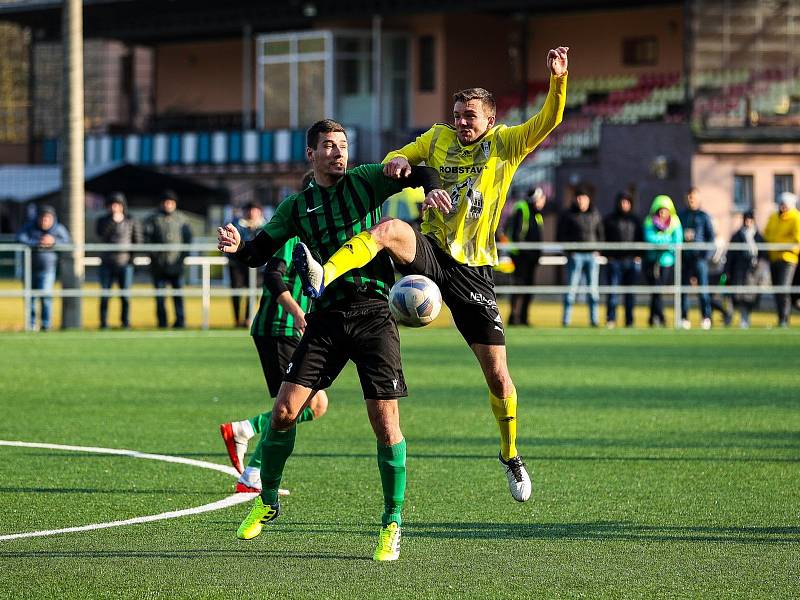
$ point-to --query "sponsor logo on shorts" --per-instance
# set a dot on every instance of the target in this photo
(481, 299)
(289, 368)
(394, 383)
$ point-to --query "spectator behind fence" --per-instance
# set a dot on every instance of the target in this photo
(581, 223)
(248, 226)
(526, 224)
(662, 226)
(697, 228)
(42, 234)
(743, 267)
(624, 266)
(117, 227)
(168, 226)
(783, 227)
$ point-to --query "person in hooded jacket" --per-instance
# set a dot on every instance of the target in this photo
(661, 226)
(624, 266)
(743, 267)
(117, 227)
(42, 234)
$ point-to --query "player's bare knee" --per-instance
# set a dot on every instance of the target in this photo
(282, 417)
(319, 404)
(500, 384)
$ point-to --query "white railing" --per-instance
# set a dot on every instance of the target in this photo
(207, 291)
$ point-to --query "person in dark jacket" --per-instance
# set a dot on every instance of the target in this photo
(526, 224)
(42, 234)
(116, 227)
(744, 267)
(697, 228)
(168, 226)
(581, 223)
(248, 226)
(624, 266)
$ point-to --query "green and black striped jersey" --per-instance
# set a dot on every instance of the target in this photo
(272, 319)
(325, 218)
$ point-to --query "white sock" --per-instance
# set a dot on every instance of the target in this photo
(245, 428)
(250, 475)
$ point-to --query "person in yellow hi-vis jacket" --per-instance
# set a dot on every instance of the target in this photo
(476, 159)
(783, 227)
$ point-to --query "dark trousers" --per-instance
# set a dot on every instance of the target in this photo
(239, 279)
(122, 275)
(657, 275)
(622, 271)
(176, 282)
(524, 274)
(697, 269)
(782, 274)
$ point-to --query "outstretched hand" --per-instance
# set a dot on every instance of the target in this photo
(557, 61)
(397, 167)
(228, 239)
(438, 199)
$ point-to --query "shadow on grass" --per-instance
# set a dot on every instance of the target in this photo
(605, 531)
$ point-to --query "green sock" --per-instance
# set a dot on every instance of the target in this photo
(255, 457)
(276, 448)
(392, 465)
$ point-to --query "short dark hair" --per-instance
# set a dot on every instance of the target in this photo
(324, 126)
(169, 195)
(252, 205)
(485, 96)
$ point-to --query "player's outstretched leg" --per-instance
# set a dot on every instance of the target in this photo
(235, 435)
(505, 411)
(260, 515)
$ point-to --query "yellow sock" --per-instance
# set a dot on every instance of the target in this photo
(358, 251)
(505, 411)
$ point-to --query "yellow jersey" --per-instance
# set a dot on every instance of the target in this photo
(477, 176)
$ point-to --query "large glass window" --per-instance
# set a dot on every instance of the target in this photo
(293, 88)
(742, 193)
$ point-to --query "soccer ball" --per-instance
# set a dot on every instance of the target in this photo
(415, 301)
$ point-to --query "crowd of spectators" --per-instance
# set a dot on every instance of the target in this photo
(663, 224)
(666, 226)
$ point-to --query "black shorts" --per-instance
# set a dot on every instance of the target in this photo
(363, 332)
(275, 353)
(467, 291)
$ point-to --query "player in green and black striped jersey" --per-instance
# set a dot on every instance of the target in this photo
(352, 321)
(276, 331)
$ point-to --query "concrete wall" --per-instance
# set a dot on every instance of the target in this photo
(199, 77)
(595, 40)
(625, 161)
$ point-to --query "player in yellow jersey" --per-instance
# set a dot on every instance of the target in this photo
(476, 159)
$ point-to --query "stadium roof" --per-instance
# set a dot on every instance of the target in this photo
(150, 20)
(28, 183)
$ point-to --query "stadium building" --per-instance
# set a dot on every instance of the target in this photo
(662, 95)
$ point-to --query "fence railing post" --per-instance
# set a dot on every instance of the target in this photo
(678, 275)
(26, 288)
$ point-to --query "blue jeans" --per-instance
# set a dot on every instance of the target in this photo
(160, 282)
(699, 270)
(622, 271)
(122, 275)
(42, 280)
(582, 266)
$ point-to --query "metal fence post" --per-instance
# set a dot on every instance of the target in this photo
(26, 288)
(252, 299)
(677, 285)
(206, 286)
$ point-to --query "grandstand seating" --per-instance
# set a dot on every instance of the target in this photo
(722, 98)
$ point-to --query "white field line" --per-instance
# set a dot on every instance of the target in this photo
(219, 504)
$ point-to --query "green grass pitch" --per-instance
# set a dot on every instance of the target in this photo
(665, 465)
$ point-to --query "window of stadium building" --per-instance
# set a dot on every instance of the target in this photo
(306, 76)
(783, 183)
(742, 193)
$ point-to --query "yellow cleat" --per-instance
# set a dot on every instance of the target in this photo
(259, 515)
(388, 543)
